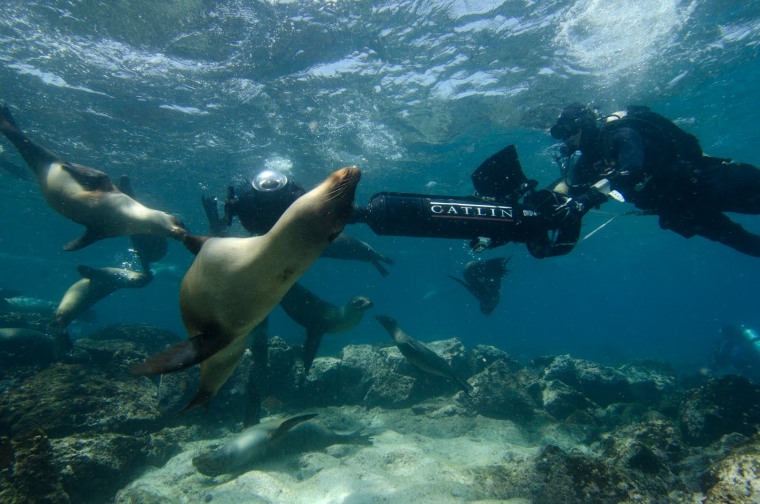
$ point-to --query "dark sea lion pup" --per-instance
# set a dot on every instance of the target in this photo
(353, 249)
(86, 195)
(320, 317)
(483, 280)
(419, 355)
(234, 283)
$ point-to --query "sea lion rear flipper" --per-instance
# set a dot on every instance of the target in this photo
(89, 178)
(37, 157)
(311, 347)
(87, 238)
(465, 284)
(181, 355)
(289, 423)
(201, 399)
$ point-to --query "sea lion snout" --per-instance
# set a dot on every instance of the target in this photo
(342, 184)
(362, 303)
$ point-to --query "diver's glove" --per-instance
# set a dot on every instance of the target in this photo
(216, 226)
(575, 208)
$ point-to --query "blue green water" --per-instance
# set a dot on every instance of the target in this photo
(188, 96)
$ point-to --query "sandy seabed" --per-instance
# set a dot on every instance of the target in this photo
(414, 458)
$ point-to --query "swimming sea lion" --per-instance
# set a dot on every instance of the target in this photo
(149, 248)
(86, 195)
(420, 355)
(96, 284)
(353, 249)
(235, 282)
(320, 317)
(269, 440)
(483, 280)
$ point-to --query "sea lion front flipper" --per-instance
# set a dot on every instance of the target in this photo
(181, 355)
(149, 248)
(193, 243)
(89, 178)
(87, 238)
(289, 423)
(311, 347)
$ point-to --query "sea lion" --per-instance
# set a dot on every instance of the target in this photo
(149, 248)
(269, 440)
(234, 283)
(419, 355)
(350, 248)
(96, 284)
(320, 317)
(19, 345)
(483, 280)
(86, 195)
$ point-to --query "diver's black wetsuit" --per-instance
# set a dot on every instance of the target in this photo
(688, 193)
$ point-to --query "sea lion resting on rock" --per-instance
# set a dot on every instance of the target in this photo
(269, 440)
(419, 355)
(20, 345)
(235, 282)
(320, 317)
(86, 195)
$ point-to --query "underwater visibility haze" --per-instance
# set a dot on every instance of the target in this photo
(187, 97)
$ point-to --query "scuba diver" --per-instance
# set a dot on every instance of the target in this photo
(505, 208)
(738, 351)
(259, 203)
(642, 157)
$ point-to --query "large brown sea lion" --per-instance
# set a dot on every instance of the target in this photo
(235, 282)
(86, 195)
(320, 317)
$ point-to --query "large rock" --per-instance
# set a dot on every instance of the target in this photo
(29, 471)
(736, 478)
(601, 384)
(96, 466)
(499, 393)
(722, 406)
